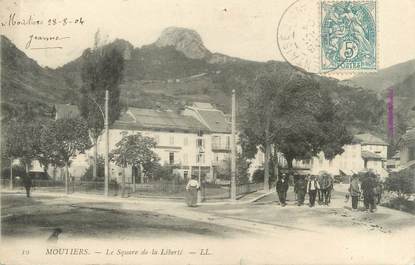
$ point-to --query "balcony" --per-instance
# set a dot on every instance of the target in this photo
(217, 147)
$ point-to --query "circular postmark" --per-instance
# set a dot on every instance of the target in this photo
(298, 37)
(319, 37)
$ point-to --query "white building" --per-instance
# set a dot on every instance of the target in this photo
(181, 140)
(407, 151)
(366, 152)
(220, 131)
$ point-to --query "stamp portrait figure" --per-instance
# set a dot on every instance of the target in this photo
(348, 35)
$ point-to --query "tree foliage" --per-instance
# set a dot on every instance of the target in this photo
(64, 138)
(291, 112)
(134, 150)
(102, 70)
(20, 139)
(403, 183)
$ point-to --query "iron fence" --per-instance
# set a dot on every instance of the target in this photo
(209, 191)
(246, 188)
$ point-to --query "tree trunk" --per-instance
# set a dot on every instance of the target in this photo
(54, 173)
(266, 167)
(267, 150)
(66, 178)
(290, 163)
(141, 174)
(94, 165)
(276, 169)
(123, 183)
(11, 173)
(27, 169)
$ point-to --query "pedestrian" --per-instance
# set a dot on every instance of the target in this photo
(368, 189)
(354, 191)
(192, 188)
(27, 183)
(320, 192)
(312, 187)
(301, 187)
(328, 189)
(379, 190)
(282, 187)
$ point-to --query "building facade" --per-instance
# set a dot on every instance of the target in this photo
(407, 151)
(182, 141)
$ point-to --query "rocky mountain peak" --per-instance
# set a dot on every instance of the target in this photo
(184, 40)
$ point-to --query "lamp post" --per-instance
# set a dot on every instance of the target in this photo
(106, 145)
(199, 192)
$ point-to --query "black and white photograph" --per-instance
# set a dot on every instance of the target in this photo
(207, 132)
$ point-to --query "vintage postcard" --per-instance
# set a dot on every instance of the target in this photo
(207, 132)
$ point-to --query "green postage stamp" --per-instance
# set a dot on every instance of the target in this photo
(348, 36)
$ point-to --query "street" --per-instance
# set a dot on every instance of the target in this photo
(334, 227)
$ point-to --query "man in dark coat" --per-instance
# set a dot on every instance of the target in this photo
(301, 188)
(368, 189)
(27, 183)
(282, 187)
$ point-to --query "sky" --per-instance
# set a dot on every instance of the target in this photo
(242, 28)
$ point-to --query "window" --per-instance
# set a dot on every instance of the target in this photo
(171, 139)
(216, 157)
(200, 158)
(185, 141)
(228, 141)
(200, 142)
(216, 141)
(171, 158)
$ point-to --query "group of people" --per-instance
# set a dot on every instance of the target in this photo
(367, 186)
(317, 187)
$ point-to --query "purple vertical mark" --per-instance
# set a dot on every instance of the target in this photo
(391, 127)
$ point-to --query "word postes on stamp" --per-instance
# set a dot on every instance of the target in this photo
(348, 35)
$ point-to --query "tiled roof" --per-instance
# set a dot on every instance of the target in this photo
(215, 120)
(370, 155)
(368, 139)
(66, 111)
(202, 105)
(137, 119)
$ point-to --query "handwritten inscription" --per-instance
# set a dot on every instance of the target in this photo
(14, 20)
(44, 41)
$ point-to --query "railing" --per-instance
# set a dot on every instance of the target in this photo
(248, 188)
(161, 189)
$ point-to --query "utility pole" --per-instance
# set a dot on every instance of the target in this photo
(106, 169)
(233, 148)
(11, 174)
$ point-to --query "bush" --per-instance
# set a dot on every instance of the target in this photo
(88, 175)
(163, 172)
(401, 204)
(18, 170)
(258, 176)
(402, 183)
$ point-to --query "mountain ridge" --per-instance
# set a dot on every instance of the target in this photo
(162, 75)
